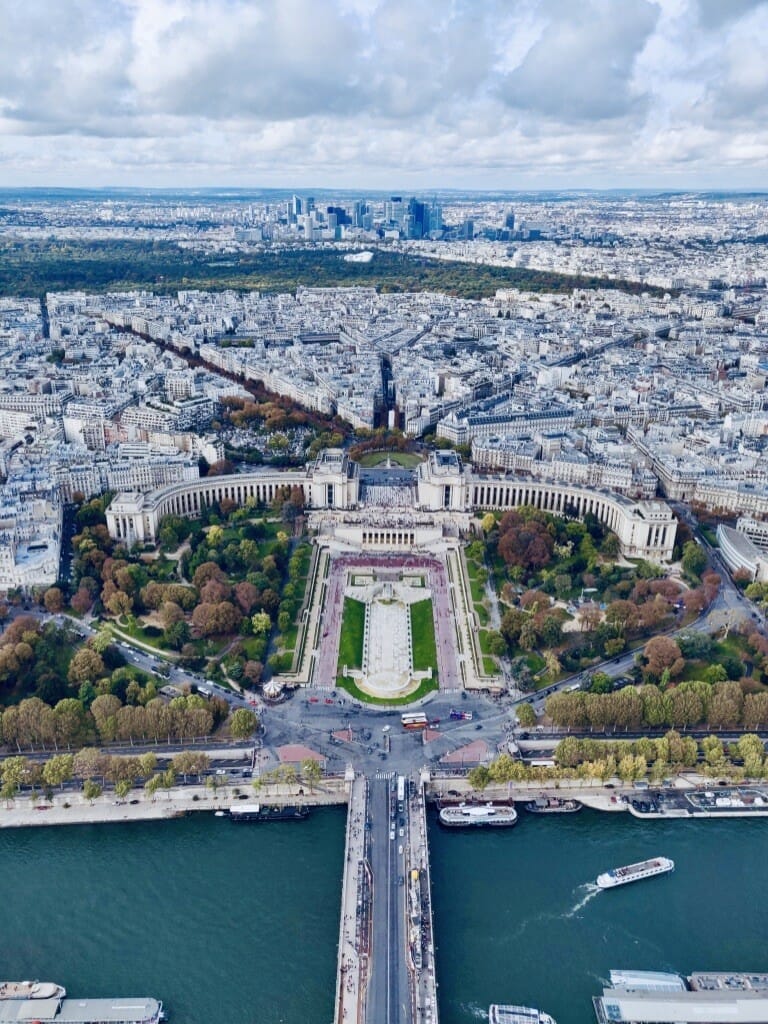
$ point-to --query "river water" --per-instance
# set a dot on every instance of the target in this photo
(238, 925)
(518, 919)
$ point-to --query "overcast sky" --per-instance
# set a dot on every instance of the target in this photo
(385, 93)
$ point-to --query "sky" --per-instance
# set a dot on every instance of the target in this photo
(384, 94)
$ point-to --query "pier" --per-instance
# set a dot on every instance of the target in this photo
(386, 962)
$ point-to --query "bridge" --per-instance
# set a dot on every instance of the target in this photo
(386, 962)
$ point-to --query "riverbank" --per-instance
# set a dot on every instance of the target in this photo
(74, 809)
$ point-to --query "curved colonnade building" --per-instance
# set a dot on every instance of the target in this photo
(646, 529)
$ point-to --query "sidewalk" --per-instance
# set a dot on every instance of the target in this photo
(173, 803)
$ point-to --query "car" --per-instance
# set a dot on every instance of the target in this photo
(328, 700)
(314, 700)
(221, 771)
(479, 725)
(400, 880)
(133, 801)
(401, 833)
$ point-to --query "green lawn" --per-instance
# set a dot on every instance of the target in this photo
(349, 685)
(351, 636)
(423, 636)
(405, 459)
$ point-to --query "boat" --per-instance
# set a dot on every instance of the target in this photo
(478, 816)
(553, 805)
(634, 872)
(264, 812)
(37, 1001)
(31, 990)
(500, 1013)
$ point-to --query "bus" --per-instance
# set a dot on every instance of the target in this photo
(414, 720)
(400, 790)
(460, 716)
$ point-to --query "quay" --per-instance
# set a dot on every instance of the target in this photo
(386, 959)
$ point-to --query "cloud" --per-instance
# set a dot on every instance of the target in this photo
(580, 68)
(490, 93)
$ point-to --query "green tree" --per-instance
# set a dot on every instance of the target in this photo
(261, 623)
(243, 723)
(58, 770)
(91, 790)
(526, 716)
(694, 560)
(147, 764)
(478, 777)
(123, 788)
(311, 772)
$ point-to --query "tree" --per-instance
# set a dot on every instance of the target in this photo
(243, 723)
(261, 623)
(568, 752)
(600, 682)
(86, 666)
(14, 773)
(488, 522)
(58, 770)
(660, 653)
(104, 710)
(53, 599)
(147, 764)
(478, 777)
(253, 672)
(91, 790)
(694, 560)
(526, 716)
(311, 772)
(655, 710)
(88, 763)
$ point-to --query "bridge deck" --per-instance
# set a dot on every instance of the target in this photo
(386, 971)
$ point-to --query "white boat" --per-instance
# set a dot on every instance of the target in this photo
(634, 872)
(31, 990)
(478, 816)
(499, 1013)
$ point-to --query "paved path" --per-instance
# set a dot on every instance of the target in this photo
(354, 930)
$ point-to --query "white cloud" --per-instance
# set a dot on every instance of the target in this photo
(484, 93)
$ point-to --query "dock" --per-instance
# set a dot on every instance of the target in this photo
(386, 959)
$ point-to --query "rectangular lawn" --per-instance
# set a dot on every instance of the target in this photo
(423, 636)
(351, 636)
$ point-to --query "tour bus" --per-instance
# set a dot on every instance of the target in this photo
(460, 716)
(414, 720)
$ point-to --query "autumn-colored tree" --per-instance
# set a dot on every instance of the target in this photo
(53, 599)
(86, 666)
(662, 654)
(208, 571)
(246, 597)
(81, 600)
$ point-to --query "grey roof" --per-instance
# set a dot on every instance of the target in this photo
(119, 1011)
(80, 1011)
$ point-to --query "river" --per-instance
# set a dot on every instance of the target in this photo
(238, 925)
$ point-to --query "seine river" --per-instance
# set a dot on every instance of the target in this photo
(238, 925)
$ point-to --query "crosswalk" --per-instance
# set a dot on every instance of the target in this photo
(385, 775)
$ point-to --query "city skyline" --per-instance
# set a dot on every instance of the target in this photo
(490, 95)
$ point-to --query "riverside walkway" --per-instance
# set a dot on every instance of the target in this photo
(386, 965)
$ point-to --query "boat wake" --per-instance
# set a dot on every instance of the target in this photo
(478, 1012)
(590, 890)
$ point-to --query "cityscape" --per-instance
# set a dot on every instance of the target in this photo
(384, 469)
